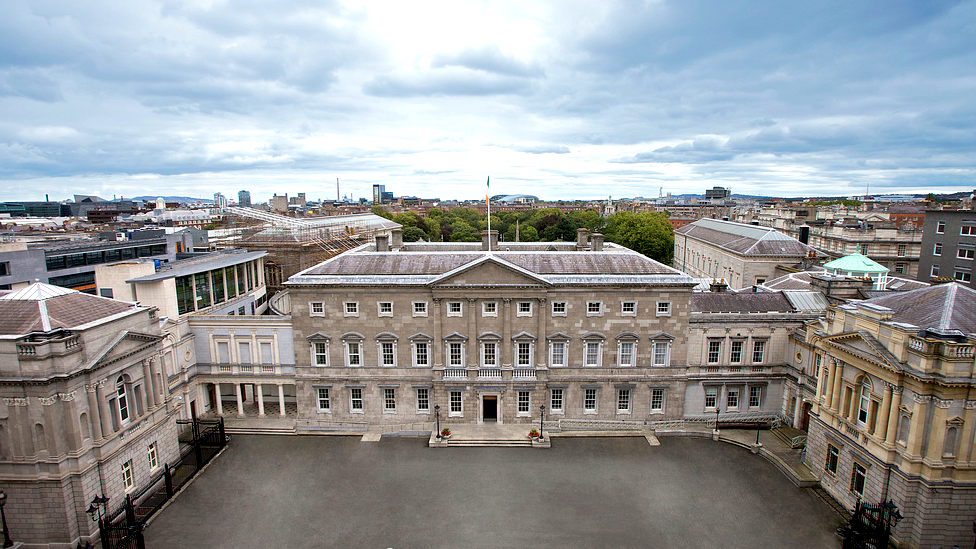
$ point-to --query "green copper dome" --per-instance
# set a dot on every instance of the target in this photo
(856, 263)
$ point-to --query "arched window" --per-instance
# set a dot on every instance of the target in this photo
(864, 404)
(123, 401)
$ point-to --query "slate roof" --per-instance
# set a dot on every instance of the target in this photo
(746, 239)
(728, 302)
(801, 281)
(943, 307)
(42, 307)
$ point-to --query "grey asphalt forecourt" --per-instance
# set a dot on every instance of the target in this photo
(329, 491)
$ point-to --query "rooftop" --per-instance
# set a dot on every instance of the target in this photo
(746, 239)
(856, 263)
(208, 262)
(942, 307)
(42, 307)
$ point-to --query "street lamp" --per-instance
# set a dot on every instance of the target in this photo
(542, 413)
(6, 533)
(437, 415)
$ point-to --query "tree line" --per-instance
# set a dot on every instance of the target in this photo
(649, 233)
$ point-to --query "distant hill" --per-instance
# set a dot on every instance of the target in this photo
(174, 199)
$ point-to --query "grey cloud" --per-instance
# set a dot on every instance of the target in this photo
(448, 81)
(490, 59)
(32, 84)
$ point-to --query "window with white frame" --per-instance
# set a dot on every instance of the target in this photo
(830, 464)
(558, 308)
(625, 353)
(755, 396)
(714, 351)
(937, 249)
(935, 270)
(662, 353)
(456, 403)
(384, 308)
(589, 401)
(902, 250)
(489, 353)
(900, 268)
(244, 352)
(940, 228)
(323, 400)
(389, 400)
(735, 352)
(628, 308)
(523, 403)
(423, 400)
(455, 353)
(965, 253)
(864, 403)
(489, 308)
(623, 401)
(864, 249)
(387, 353)
(128, 479)
(153, 455)
(350, 308)
(962, 276)
(594, 308)
(354, 353)
(455, 308)
(419, 308)
(817, 360)
(732, 398)
(223, 352)
(758, 351)
(320, 353)
(523, 308)
(657, 400)
(556, 401)
(356, 400)
(858, 475)
(592, 353)
(421, 353)
(711, 397)
(122, 400)
(523, 353)
(967, 230)
(663, 308)
(316, 308)
(557, 353)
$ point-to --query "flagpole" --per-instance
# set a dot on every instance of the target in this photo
(488, 209)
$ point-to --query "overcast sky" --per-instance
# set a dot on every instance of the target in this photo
(563, 99)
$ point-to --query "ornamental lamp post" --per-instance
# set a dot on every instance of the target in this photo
(6, 533)
(437, 416)
(95, 512)
(542, 413)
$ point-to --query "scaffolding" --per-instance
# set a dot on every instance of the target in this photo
(295, 244)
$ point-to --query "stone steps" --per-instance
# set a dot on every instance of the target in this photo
(244, 430)
(489, 443)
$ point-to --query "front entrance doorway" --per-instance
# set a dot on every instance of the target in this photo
(805, 416)
(489, 409)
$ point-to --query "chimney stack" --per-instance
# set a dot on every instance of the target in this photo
(397, 240)
(382, 243)
(489, 240)
(718, 286)
(596, 242)
(581, 237)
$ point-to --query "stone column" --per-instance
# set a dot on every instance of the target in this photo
(838, 386)
(893, 416)
(881, 429)
(148, 396)
(473, 315)
(240, 400)
(94, 414)
(105, 411)
(966, 431)
(540, 342)
(435, 347)
(917, 432)
(938, 429)
(220, 404)
(281, 399)
(828, 384)
(798, 408)
(260, 397)
(855, 404)
(506, 343)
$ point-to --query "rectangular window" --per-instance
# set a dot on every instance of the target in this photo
(353, 354)
(556, 400)
(153, 457)
(755, 397)
(317, 308)
(128, 480)
(592, 357)
(962, 276)
(900, 268)
(935, 270)
(940, 228)
(423, 400)
(661, 353)
(455, 354)
(184, 294)
(231, 282)
(201, 284)
(937, 249)
(589, 400)
(324, 402)
(223, 352)
(623, 400)
(663, 308)
(657, 400)
(241, 287)
(558, 308)
(732, 402)
(625, 355)
(266, 353)
(524, 308)
(711, 397)
(244, 352)
(387, 353)
(419, 308)
(524, 353)
(965, 253)
(967, 230)
(356, 399)
(735, 354)
(321, 354)
(488, 355)
(523, 402)
(456, 405)
(864, 249)
(858, 474)
(218, 285)
(902, 250)
(453, 308)
(817, 359)
(628, 308)
(714, 351)
(351, 308)
(594, 308)
(758, 352)
(558, 352)
(389, 400)
(420, 355)
(384, 308)
(489, 308)
(830, 466)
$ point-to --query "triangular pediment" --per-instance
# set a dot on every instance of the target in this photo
(861, 344)
(489, 271)
(122, 346)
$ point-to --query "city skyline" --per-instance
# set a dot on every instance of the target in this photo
(561, 101)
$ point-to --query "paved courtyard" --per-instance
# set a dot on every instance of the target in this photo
(318, 492)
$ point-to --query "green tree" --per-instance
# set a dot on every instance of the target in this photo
(413, 234)
(648, 233)
(381, 211)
